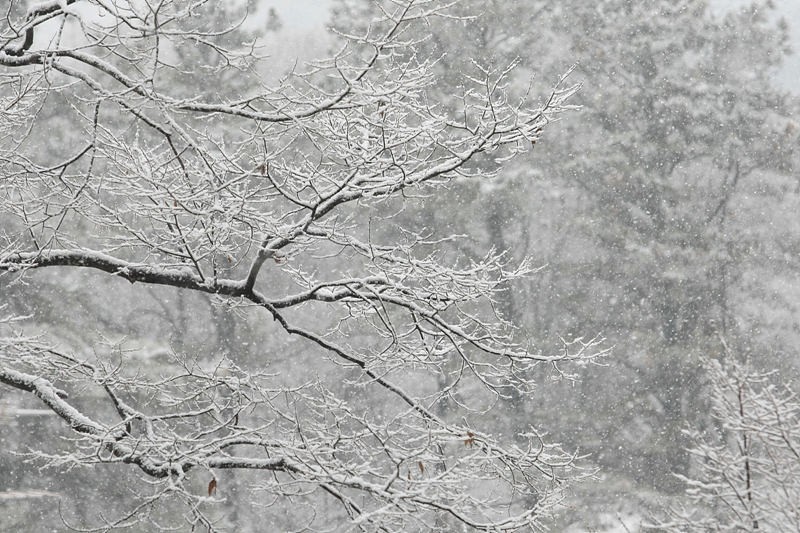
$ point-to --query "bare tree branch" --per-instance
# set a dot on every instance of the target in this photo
(198, 175)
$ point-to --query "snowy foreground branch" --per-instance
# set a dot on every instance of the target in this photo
(415, 467)
(748, 475)
(185, 169)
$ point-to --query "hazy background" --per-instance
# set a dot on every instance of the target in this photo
(579, 204)
(311, 16)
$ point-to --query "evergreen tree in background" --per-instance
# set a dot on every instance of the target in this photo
(669, 204)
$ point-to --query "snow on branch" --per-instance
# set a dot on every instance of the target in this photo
(283, 195)
(748, 465)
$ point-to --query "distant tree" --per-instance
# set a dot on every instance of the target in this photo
(273, 20)
(652, 215)
(685, 124)
(275, 199)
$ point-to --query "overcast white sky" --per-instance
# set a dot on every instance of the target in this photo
(789, 76)
(301, 14)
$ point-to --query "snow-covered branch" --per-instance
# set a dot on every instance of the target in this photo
(748, 475)
(183, 167)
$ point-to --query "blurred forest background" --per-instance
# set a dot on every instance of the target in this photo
(664, 212)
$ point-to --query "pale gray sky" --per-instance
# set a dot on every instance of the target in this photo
(301, 14)
(789, 76)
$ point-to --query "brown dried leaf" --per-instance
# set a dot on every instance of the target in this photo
(470, 441)
(212, 487)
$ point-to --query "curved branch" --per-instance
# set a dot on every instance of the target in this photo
(180, 277)
(42, 9)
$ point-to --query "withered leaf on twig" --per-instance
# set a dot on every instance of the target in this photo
(470, 439)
